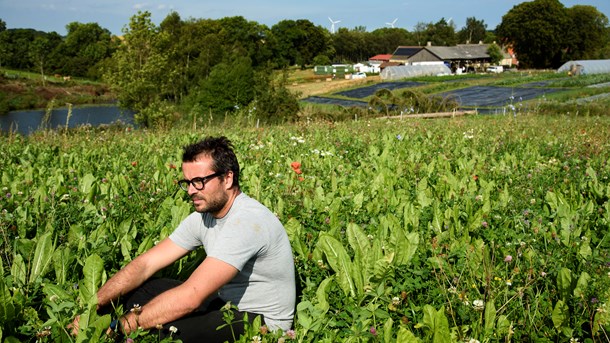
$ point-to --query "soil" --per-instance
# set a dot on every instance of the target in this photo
(324, 85)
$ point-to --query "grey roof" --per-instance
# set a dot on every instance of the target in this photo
(460, 52)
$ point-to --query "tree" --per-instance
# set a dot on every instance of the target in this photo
(248, 37)
(588, 33)
(386, 40)
(229, 87)
(273, 102)
(2, 25)
(536, 32)
(495, 53)
(4, 52)
(298, 42)
(84, 47)
(441, 33)
(141, 73)
(15, 48)
(419, 33)
(348, 45)
(473, 32)
(39, 50)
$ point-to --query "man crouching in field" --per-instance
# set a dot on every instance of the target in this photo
(248, 260)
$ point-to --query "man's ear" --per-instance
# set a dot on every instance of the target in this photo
(228, 181)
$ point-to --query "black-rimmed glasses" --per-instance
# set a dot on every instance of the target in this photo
(197, 182)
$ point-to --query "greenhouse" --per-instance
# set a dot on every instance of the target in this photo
(584, 67)
(406, 71)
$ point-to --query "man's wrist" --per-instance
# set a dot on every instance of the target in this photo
(129, 322)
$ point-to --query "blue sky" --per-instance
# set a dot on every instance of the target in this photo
(54, 15)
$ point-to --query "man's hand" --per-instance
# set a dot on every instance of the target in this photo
(74, 327)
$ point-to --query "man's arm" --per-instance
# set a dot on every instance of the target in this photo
(177, 302)
(139, 270)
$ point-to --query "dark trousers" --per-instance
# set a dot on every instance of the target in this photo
(199, 326)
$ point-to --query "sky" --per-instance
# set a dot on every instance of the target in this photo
(114, 15)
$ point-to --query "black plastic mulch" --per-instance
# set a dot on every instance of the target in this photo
(471, 97)
(338, 102)
(363, 92)
(488, 96)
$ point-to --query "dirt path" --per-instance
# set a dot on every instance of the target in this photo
(321, 86)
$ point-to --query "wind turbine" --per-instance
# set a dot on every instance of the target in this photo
(392, 23)
(332, 24)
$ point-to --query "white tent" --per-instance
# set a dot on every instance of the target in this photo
(406, 71)
(583, 67)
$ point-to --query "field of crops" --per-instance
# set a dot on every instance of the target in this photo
(471, 229)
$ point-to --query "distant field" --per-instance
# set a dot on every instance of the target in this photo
(486, 228)
(483, 92)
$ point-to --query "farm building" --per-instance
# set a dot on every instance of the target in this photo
(335, 69)
(407, 71)
(467, 56)
(584, 67)
(370, 68)
(378, 59)
(402, 54)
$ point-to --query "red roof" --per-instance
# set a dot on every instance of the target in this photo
(383, 57)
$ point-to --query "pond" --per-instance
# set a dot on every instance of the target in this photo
(27, 122)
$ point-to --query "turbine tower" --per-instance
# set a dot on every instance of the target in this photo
(392, 23)
(332, 24)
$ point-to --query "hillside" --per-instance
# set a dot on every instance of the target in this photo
(22, 91)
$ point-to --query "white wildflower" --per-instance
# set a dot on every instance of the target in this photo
(478, 305)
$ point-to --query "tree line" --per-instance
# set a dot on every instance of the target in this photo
(229, 64)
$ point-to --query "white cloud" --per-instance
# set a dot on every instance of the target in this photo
(140, 6)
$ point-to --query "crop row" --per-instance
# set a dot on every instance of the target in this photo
(483, 228)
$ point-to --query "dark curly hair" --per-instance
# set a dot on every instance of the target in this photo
(220, 149)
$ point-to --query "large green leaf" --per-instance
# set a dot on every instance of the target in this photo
(7, 308)
(18, 270)
(43, 256)
(339, 261)
(560, 315)
(93, 270)
(406, 244)
(322, 295)
(564, 283)
(357, 239)
(294, 231)
(62, 262)
(490, 318)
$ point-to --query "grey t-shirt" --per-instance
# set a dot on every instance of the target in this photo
(251, 239)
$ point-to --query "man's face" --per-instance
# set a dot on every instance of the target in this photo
(214, 196)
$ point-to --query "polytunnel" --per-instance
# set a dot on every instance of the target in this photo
(406, 71)
(584, 67)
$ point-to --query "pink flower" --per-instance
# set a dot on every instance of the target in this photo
(508, 258)
(484, 224)
(373, 331)
(291, 334)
